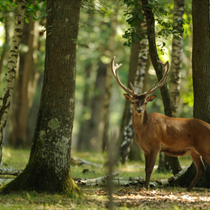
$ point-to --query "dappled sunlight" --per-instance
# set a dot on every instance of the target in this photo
(165, 196)
(158, 199)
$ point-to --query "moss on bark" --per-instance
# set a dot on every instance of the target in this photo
(31, 180)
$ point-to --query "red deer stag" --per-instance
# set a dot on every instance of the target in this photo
(156, 133)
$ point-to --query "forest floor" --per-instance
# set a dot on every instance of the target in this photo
(96, 197)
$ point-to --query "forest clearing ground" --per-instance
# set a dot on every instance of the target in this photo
(166, 198)
(96, 197)
(131, 197)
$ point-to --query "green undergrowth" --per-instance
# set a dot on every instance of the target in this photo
(19, 158)
(93, 197)
(33, 200)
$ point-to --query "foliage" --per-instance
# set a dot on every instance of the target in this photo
(133, 15)
(163, 15)
(31, 9)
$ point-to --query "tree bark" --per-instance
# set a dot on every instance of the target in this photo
(174, 162)
(6, 44)
(201, 77)
(176, 64)
(175, 76)
(139, 83)
(11, 70)
(24, 87)
(48, 169)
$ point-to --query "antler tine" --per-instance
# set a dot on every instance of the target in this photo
(148, 92)
(114, 72)
(133, 91)
(162, 81)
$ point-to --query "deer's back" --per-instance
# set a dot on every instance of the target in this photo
(173, 135)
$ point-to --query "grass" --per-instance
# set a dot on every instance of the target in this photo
(131, 197)
(19, 158)
(130, 169)
(15, 158)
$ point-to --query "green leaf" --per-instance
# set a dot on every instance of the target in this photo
(34, 17)
(2, 19)
(27, 20)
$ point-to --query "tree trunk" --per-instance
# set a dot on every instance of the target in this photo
(175, 76)
(92, 140)
(86, 104)
(201, 78)
(125, 142)
(24, 87)
(176, 64)
(139, 83)
(31, 121)
(6, 44)
(174, 162)
(48, 169)
(11, 70)
(108, 84)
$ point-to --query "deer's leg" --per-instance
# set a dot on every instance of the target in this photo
(150, 159)
(197, 159)
(206, 158)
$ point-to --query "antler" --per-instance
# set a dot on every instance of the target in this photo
(114, 71)
(132, 92)
(162, 81)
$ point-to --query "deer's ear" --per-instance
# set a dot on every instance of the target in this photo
(128, 97)
(151, 98)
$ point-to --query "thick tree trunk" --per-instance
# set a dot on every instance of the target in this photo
(201, 78)
(11, 70)
(49, 164)
(174, 162)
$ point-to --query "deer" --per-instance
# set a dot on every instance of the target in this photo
(155, 132)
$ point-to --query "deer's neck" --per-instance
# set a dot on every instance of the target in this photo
(140, 120)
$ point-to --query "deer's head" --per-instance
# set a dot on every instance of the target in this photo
(140, 100)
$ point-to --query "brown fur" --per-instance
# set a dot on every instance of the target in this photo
(156, 133)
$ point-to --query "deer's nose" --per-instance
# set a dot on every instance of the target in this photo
(139, 110)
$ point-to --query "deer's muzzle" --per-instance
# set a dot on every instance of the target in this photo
(139, 110)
